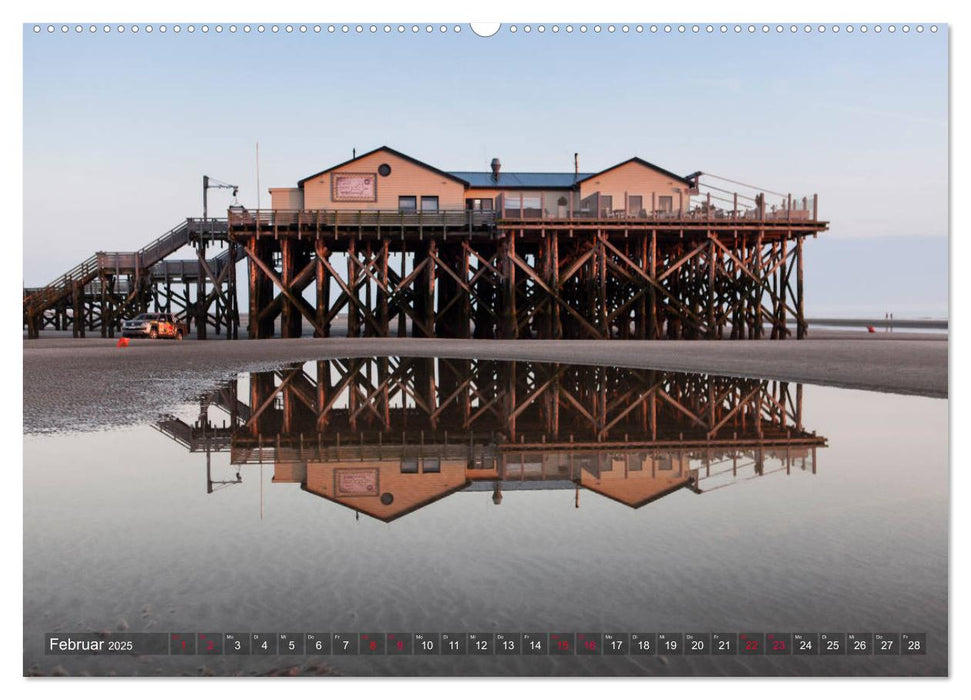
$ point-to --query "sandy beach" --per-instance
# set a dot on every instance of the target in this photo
(88, 384)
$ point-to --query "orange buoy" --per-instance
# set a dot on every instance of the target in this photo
(123, 342)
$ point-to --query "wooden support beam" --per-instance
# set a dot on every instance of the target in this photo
(299, 302)
(322, 279)
(801, 326)
(712, 266)
(509, 328)
(384, 319)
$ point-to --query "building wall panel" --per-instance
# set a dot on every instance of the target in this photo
(406, 179)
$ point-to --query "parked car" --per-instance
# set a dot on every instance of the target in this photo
(154, 325)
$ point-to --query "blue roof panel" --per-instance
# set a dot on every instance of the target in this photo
(531, 180)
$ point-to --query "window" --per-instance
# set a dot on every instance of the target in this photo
(384, 170)
(431, 465)
(409, 465)
(635, 203)
(429, 203)
(479, 204)
(665, 203)
(518, 201)
(606, 204)
(409, 203)
(528, 201)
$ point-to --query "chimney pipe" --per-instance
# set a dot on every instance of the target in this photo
(576, 166)
(495, 169)
(353, 153)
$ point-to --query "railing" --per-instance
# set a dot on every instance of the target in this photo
(694, 210)
(653, 208)
(365, 218)
(164, 245)
(166, 269)
(123, 262)
(42, 298)
(760, 207)
(95, 286)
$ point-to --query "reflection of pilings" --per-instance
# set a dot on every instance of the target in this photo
(532, 404)
(426, 428)
(471, 410)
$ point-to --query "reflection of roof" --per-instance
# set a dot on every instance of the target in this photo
(410, 509)
(635, 501)
(525, 180)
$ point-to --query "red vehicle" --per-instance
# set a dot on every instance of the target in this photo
(153, 325)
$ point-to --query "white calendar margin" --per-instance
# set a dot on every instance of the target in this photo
(709, 11)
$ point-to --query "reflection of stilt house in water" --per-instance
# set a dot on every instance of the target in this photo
(388, 436)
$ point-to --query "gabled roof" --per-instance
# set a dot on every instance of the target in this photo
(393, 152)
(643, 162)
(507, 180)
(552, 181)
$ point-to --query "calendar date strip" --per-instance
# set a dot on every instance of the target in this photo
(486, 644)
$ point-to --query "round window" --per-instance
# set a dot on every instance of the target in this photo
(387, 499)
(384, 170)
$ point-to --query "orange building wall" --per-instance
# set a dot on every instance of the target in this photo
(406, 178)
(409, 490)
(636, 179)
(635, 487)
(286, 198)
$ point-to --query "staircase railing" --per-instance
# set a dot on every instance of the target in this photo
(157, 250)
(81, 272)
(164, 245)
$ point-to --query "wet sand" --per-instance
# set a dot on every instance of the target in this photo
(88, 384)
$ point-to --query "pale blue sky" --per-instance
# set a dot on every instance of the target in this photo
(119, 129)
